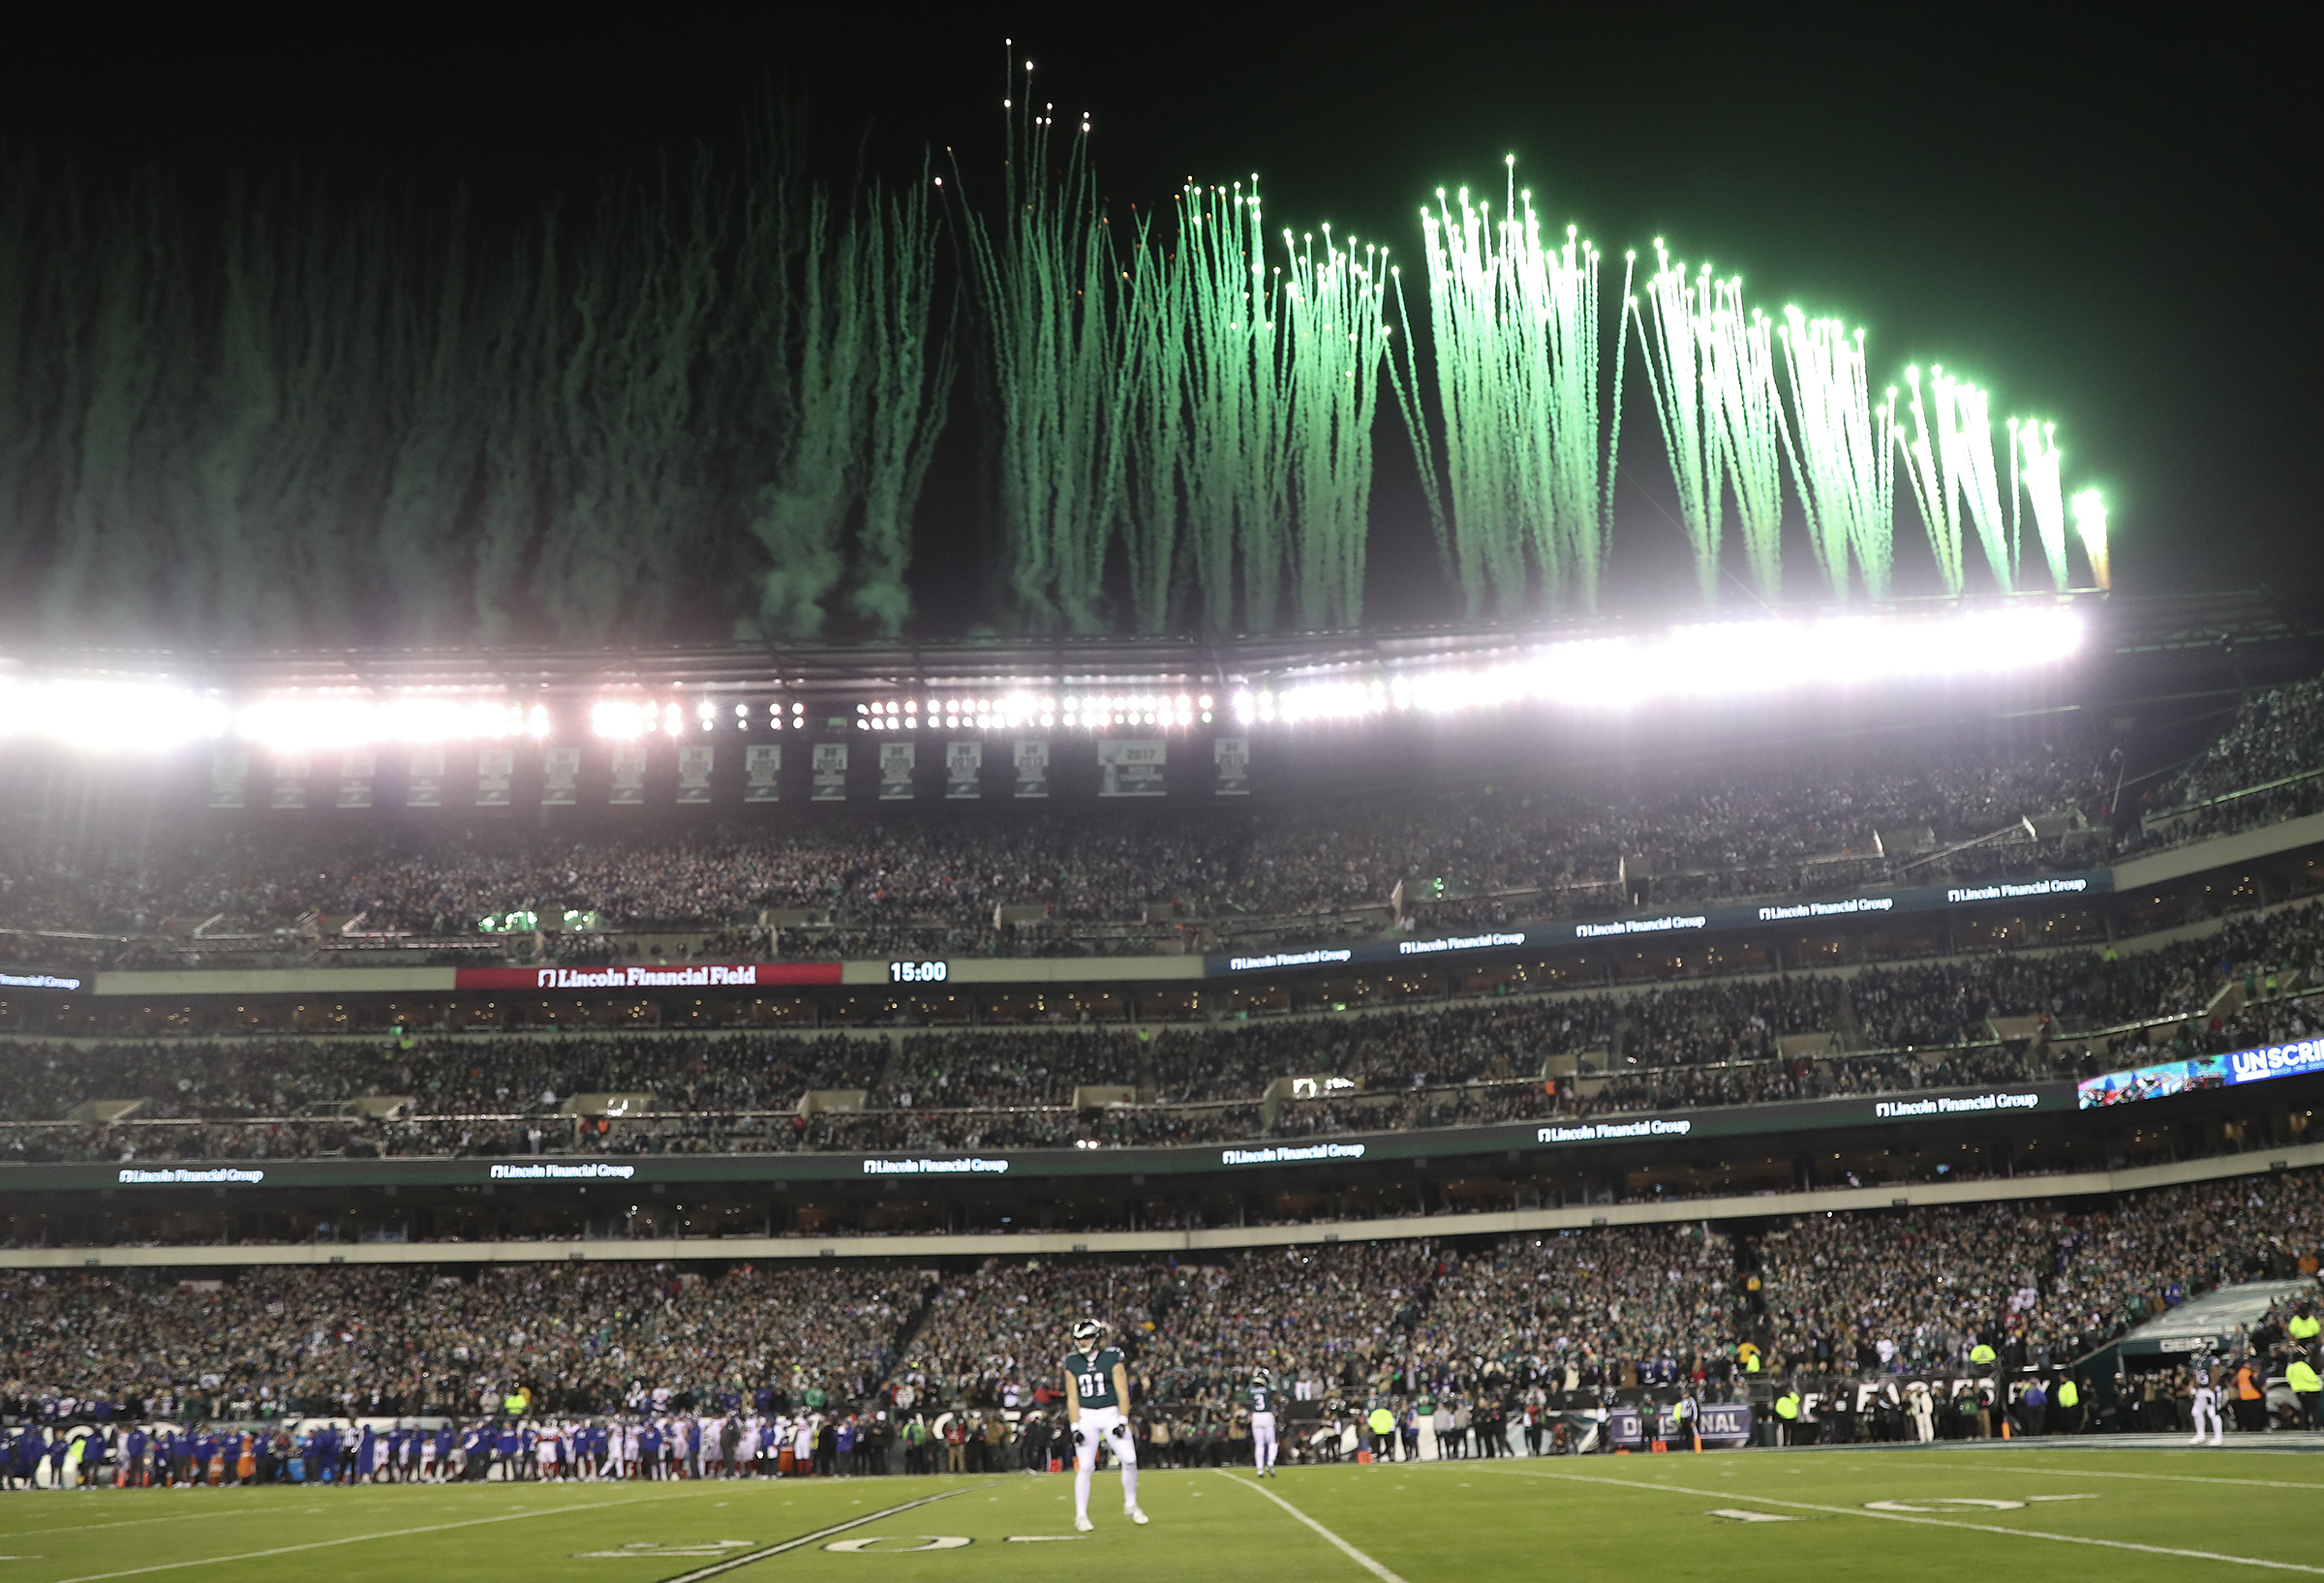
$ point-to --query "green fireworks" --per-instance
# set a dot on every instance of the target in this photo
(1842, 450)
(1045, 279)
(710, 400)
(1521, 383)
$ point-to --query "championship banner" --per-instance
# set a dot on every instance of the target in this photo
(1130, 766)
(1233, 758)
(896, 762)
(964, 764)
(648, 976)
(290, 781)
(358, 767)
(496, 772)
(423, 784)
(694, 761)
(762, 772)
(629, 773)
(559, 777)
(229, 772)
(1032, 768)
(830, 767)
(1726, 1426)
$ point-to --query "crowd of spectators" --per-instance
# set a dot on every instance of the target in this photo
(1740, 823)
(1571, 1054)
(2041, 1283)
(1921, 1292)
(398, 1339)
(2276, 736)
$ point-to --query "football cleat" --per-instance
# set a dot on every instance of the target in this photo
(1082, 1525)
(1137, 1516)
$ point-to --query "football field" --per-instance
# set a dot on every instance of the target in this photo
(2049, 1514)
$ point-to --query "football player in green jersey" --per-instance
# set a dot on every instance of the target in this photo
(1097, 1393)
(1262, 1421)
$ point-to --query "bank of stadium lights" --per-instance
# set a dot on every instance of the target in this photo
(307, 723)
(1716, 660)
(1024, 710)
(151, 717)
(110, 714)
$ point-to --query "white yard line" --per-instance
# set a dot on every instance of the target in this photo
(12, 1534)
(1341, 1546)
(2168, 1478)
(750, 1557)
(354, 1539)
(1932, 1522)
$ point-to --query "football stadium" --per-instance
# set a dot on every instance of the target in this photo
(789, 874)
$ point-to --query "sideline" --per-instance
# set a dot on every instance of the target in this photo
(358, 1538)
(748, 1556)
(1342, 1545)
(1935, 1522)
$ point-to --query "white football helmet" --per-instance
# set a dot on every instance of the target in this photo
(1087, 1331)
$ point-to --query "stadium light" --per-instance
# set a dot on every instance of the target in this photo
(130, 715)
(294, 723)
(1719, 659)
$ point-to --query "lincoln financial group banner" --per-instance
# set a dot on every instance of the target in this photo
(1687, 923)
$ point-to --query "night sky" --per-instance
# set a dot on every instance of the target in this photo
(2106, 221)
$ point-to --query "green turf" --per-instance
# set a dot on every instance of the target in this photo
(1598, 1517)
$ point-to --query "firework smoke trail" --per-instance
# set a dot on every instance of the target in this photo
(1751, 430)
(801, 511)
(1519, 362)
(1965, 448)
(1678, 355)
(905, 398)
(1155, 317)
(2089, 525)
(1045, 279)
(1845, 460)
(1932, 490)
(2035, 448)
(1338, 343)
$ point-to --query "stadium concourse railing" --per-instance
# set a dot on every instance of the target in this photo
(1664, 1211)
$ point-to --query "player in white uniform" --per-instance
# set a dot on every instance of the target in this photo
(1097, 1393)
(1262, 1421)
(2207, 1407)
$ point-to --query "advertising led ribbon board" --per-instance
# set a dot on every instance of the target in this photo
(2259, 1064)
(1255, 1158)
(1686, 923)
(649, 976)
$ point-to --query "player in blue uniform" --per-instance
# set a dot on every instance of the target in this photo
(1262, 1422)
(1097, 1393)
